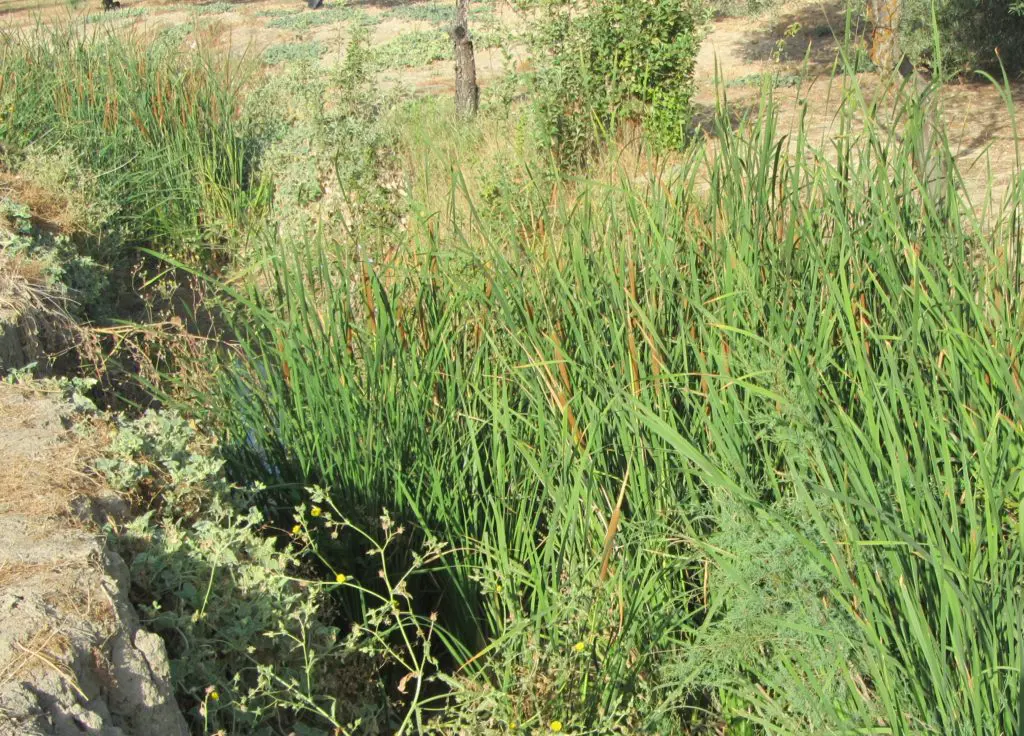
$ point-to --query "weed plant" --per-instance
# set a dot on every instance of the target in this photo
(292, 52)
(323, 17)
(420, 48)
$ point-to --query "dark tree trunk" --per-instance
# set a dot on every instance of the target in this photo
(467, 94)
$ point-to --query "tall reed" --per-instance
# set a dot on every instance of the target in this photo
(159, 126)
(751, 436)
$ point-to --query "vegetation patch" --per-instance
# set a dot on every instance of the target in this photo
(323, 17)
(420, 48)
(293, 51)
(555, 420)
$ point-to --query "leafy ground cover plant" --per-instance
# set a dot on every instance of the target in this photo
(254, 641)
(293, 51)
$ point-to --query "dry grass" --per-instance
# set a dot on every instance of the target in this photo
(53, 210)
(45, 467)
(11, 572)
(46, 648)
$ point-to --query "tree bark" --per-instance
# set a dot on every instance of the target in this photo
(467, 94)
(928, 158)
(885, 39)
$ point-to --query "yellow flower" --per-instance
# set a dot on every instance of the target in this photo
(341, 577)
(296, 529)
(555, 726)
(579, 646)
(498, 588)
(214, 695)
(315, 511)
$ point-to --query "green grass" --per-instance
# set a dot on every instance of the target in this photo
(748, 457)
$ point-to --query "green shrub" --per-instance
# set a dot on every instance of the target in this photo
(972, 34)
(326, 145)
(600, 63)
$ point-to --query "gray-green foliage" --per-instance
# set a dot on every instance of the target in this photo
(254, 647)
(162, 450)
(438, 13)
(420, 48)
(325, 144)
(743, 7)
(324, 16)
(215, 8)
(971, 34)
(291, 52)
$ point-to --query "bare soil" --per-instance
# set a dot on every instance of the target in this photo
(73, 658)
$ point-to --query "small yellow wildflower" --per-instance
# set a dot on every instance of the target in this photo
(498, 588)
(341, 577)
(579, 646)
(296, 529)
(555, 726)
(214, 695)
(315, 511)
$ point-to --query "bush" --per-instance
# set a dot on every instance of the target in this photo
(598, 63)
(972, 34)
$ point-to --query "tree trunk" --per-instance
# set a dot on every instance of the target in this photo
(885, 38)
(467, 94)
(929, 159)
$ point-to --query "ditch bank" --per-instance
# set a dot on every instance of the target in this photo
(73, 657)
